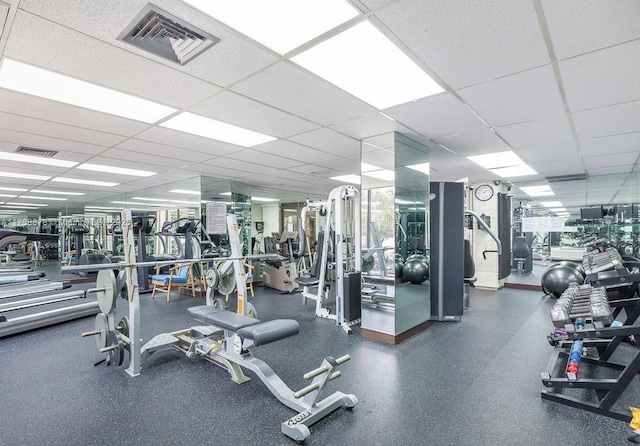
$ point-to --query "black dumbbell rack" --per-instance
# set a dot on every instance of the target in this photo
(603, 341)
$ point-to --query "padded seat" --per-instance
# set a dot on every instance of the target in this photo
(269, 331)
(306, 281)
(227, 320)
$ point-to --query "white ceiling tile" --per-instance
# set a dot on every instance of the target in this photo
(603, 77)
(611, 120)
(315, 171)
(330, 141)
(547, 130)
(247, 168)
(597, 170)
(264, 158)
(45, 44)
(626, 142)
(46, 110)
(437, 116)
(525, 96)
(244, 112)
(341, 164)
(288, 88)
(233, 57)
(578, 26)
(294, 151)
(368, 125)
(188, 141)
(4, 10)
(554, 168)
(45, 128)
(161, 153)
(474, 143)
(550, 152)
(469, 42)
(626, 160)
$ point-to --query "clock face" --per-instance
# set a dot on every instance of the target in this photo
(484, 192)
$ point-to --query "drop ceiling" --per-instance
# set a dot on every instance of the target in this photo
(556, 82)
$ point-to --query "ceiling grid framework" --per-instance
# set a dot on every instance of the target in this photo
(555, 82)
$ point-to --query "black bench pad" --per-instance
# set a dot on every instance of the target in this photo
(227, 320)
(269, 331)
(306, 281)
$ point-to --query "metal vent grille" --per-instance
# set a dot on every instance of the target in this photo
(36, 152)
(164, 35)
(563, 178)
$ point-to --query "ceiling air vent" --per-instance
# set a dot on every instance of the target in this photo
(563, 178)
(36, 152)
(164, 35)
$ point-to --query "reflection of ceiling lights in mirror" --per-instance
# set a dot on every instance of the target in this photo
(420, 167)
(401, 201)
(87, 182)
(14, 189)
(364, 62)
(24, 176)
(55, 192)
(16, 157)
(8, 195)
(514, 171)
(184, 191)
(33, 197)
(137, 203)
(537, 191)
(25, 78)
(16, 206)
(213, 129)
(116, 170)
(551, 204)
(226, 194)
(384, 174)
(497, 159)
(28, 204)
(282, 25)
(264, 199)
(353, 179)
(366, 167)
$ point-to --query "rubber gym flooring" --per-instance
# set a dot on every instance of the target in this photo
(475, 382)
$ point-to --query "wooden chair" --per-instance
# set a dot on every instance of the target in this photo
(250, 277)
(179, 275)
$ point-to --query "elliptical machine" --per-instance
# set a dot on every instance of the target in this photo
(281, 274)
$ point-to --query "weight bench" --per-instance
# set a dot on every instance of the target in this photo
(231, 352)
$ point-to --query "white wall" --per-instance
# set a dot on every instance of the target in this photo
(271, 218)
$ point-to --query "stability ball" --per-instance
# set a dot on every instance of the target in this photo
(576, 265)
(399, 265)
(415, 271)
(418, 257)
(557, 278)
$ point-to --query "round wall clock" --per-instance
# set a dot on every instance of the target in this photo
(484, 192)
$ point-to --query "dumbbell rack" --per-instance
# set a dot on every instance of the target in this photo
(602, 342)
(608, 269)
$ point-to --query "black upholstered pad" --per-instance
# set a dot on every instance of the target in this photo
(270, 331)
(224, 319)
(306, 281)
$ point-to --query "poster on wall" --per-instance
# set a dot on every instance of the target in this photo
(216, 218)
(544, 224)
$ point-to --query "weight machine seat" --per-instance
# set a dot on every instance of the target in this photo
(227, 320)
(269, 331)
(470, 280)
(307, 281)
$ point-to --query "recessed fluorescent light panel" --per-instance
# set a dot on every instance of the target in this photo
(551, 204)
(365, 167)
(514, 171)
(421, 167)
(537, 191)
(212, 129)
(14, 189)
(184, 191)
(87, 182)
(227, 194)
(117, 170)
(24, 176)
(264, 199)
(55, 192)
(384, 174)
(33, 197)
(281, 25)
(28, 204)
(8, 195)
(29, 79)
(497, 160)
(363, 62)
(8, 156)
(353, 179)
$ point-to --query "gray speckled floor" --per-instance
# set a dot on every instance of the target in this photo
(475, 382)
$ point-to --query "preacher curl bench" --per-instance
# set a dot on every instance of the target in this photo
(231, 352)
